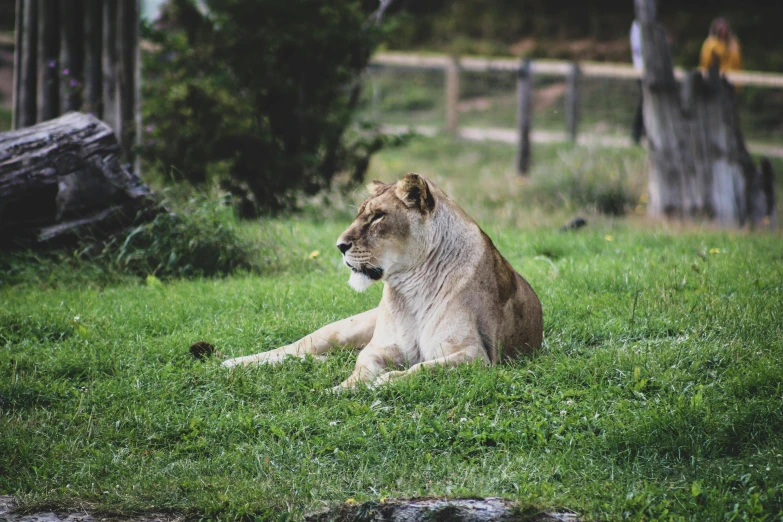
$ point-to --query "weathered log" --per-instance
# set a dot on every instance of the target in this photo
(699, 165)
(62, 179)
(491, 509)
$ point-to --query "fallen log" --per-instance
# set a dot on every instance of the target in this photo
(62, 179)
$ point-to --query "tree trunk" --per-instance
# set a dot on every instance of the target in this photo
(48, 52)
(26, 68)
(93, 74)
(127, 50)
(110, 64)
(699, 165)
(62, 179)
(18, 43)
(71, 55)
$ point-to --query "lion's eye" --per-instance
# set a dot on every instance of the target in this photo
(377, 217)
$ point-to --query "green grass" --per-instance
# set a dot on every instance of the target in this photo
(658, 393)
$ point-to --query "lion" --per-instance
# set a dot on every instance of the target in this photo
(449, 296)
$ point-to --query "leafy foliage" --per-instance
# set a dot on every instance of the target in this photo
(202, 240)
(260, 95)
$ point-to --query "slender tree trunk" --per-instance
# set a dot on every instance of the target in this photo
(28, 76)
(18, 44)
(127, 38)
(48, 53)
(93, 40)
(72, 54)
(109, 58)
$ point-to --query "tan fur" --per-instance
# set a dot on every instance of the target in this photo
(449, 296)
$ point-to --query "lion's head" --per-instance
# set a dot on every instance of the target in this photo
(389, 232)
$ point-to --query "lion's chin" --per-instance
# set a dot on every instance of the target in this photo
(359, 281)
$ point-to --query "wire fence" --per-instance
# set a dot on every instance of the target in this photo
(410, 90)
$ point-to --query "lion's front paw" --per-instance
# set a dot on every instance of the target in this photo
(386, 378)
(230, 363)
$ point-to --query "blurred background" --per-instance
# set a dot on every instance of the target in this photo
(274, 100)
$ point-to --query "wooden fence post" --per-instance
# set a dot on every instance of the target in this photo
(524, 109)
(572, 101)
(452, 95)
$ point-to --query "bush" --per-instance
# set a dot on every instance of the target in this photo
(201, 240)
(260, 95)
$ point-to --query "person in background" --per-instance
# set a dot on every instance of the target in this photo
(638, 63)
(722, 45)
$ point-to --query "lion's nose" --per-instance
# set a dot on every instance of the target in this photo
(344, 247)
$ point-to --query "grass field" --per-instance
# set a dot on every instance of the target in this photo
(658, 394)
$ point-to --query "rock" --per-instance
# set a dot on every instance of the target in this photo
(437, 509)
(574, 224)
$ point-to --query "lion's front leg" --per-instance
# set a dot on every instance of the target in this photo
(453, 355)
(353, 332)
(372, 362)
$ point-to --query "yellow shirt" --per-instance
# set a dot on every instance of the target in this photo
(728, 54)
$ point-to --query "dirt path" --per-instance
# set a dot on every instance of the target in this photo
(585, 139)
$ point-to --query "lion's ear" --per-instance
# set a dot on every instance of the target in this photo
(375, 186)
(415, 193)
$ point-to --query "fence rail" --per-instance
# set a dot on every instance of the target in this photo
(556, 67)
(571, 72)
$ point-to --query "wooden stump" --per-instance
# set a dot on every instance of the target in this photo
(62, 179)
(699, 166)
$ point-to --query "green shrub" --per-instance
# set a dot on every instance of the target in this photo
(201, 239)
(259, 95)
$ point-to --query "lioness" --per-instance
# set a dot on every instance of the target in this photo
(449, 298)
